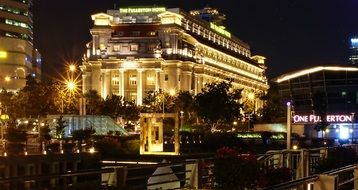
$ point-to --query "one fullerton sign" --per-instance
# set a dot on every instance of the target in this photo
(301, 119)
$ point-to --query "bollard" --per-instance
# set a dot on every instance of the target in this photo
(121, 177)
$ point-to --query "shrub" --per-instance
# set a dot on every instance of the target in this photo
(242, 171)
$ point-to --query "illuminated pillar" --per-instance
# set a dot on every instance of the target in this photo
(157, 80)
(122, 83)
(195, 84)
(289, 128)
(176, 136)
(179, 80)
(139, 86)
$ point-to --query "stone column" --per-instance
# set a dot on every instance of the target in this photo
(139, 86)
(157, 75)
(121, 88)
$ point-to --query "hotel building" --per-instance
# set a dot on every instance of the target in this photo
(137, 50)
(18, 58)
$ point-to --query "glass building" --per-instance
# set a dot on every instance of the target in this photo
(18, 57)
(353, 57)
(137, 50)
(336, 85)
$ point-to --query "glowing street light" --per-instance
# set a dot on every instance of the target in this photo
(71, 85)
(7, 79)
(72, 68)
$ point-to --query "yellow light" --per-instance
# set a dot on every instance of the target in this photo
(235, 122)
(7, 78)
(295, 147)
(142, 10)
(4, 117)
(172, 92)
(71, 85)
(313, 70)
(220, 29)
(72, 68)
(251, 96)
(3, 54)
(327, 130)
(91, 150)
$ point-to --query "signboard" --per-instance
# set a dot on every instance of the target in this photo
(301, 119)
(142, 10)
(220, 29)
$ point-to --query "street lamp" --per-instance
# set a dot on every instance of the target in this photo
(71, 88)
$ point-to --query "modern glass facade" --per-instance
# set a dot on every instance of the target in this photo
(353, 57)
(18, 57)
(336, 84)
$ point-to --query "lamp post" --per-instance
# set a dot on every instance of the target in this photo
(289, 120)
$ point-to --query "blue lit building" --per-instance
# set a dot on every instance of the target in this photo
(353, 56)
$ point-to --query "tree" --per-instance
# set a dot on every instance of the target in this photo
(112, 105)
(184, 102)
(319, 107)
(218, 104)
(60, 128)
(155, 101)
(94, 102)
(272, 110)
(44, 133)
(83, 134)
(129, 111)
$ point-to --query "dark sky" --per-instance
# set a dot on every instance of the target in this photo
(292, 34)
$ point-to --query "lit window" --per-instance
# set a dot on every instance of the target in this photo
(133, 79)
(115, 80)
(150, 80)
(134, 47)
(132, 96)
(116, 47)
(152, 33)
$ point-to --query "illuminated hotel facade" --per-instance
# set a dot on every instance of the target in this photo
(338, 86)
(138, 50)
(18, 58)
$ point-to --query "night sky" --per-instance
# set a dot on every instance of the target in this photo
(291, 34)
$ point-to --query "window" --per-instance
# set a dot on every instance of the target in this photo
(115, 80)
(116, 48)
(166, 77)
(133, 79)
(134, 47)
(135, 33)
(150, 80)
(132, 96)
(152, 33)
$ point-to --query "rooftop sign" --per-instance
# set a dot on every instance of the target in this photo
(220, 29)
(142, 10)
(301, 119)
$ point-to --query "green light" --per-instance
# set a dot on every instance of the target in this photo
(142, 10)
(220, 29)
(3, 54)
